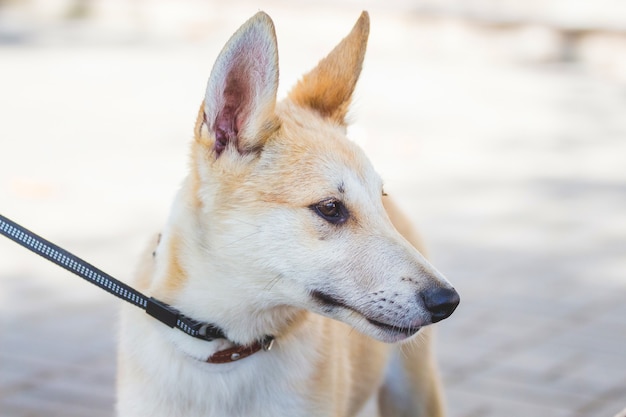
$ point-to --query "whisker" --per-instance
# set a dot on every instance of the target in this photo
(402, 351)
(243, 222)
(272, 282)
(412, 345)
(239, 240)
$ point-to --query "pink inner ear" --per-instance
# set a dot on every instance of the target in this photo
(242, 88)
(236, 107)
(226, 128)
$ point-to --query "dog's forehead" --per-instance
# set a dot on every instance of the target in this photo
(316, 156)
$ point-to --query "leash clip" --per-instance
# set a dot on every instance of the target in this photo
(209, 332)
(267, 343)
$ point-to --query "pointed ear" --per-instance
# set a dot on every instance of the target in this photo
(241, 92)
(328, 87)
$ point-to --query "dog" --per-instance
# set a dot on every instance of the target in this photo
(282, 237)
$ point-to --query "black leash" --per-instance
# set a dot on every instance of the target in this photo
(157, 309)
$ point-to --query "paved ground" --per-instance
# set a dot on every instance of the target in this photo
(514, 173)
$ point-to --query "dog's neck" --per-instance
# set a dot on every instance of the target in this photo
(191, 275)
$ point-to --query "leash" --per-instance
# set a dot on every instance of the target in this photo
(159, 310)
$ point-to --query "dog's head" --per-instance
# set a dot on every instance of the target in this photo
(291, 204)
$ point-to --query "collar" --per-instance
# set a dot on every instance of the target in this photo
(239, 352)
(210, 332)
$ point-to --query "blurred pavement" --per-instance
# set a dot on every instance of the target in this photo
(513, 169)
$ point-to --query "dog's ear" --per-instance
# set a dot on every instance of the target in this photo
(241, 93)
(329, 86)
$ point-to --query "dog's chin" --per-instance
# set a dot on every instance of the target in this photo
(388, 333)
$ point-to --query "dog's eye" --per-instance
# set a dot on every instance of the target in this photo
(331, 210)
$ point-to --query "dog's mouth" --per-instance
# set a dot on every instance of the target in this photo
(405, 331)
(392, 331)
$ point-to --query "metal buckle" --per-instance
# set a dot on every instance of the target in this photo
(267, 343)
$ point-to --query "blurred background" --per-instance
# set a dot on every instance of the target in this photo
(499, 125)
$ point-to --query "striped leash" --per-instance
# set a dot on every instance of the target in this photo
(157, 309)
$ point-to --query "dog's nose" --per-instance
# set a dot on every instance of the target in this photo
(440, 302)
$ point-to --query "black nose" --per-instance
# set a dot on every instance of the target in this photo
(440, 302)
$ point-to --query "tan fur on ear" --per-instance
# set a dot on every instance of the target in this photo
(329, 86)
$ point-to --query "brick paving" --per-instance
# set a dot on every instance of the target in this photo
(514, 173)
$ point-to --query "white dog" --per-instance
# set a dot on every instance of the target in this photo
(282, 233)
